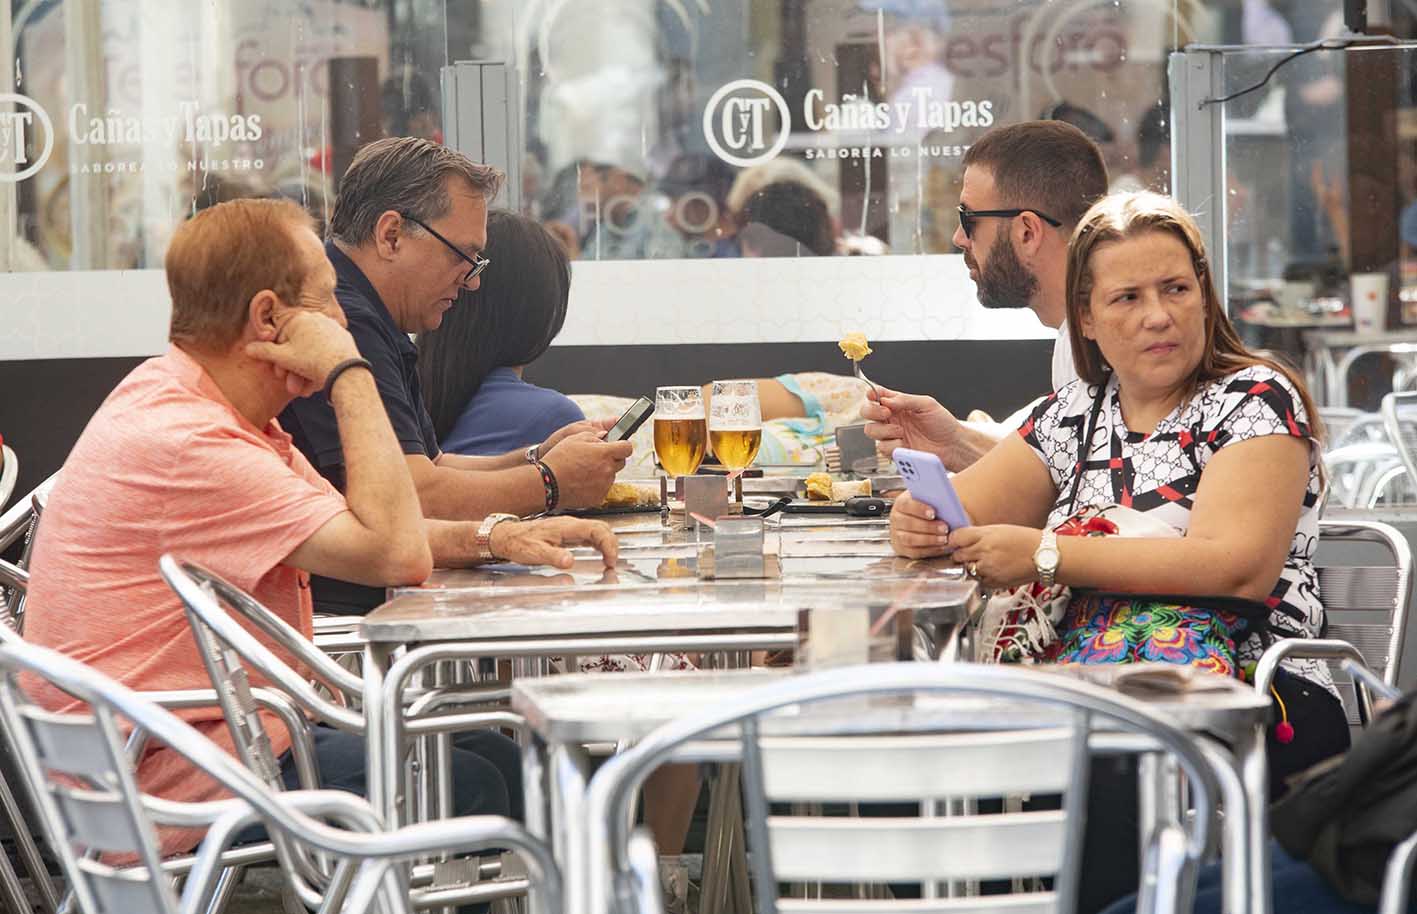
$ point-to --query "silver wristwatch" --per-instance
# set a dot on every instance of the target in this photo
(1045, 558)
(484, 536)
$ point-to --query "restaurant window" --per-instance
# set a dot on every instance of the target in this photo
(646, 123)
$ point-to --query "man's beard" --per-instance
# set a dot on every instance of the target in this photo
(1005, 282)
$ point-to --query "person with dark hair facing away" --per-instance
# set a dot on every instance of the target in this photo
(786, 219)
(1025, 187)
(471, 366)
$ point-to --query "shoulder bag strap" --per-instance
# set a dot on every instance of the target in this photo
(1085, 444)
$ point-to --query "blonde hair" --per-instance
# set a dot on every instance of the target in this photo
(1118, 217)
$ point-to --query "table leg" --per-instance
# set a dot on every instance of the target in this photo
(534, 786)
(380, 773)
(1254, 769)
(1235, 859)
(719, 838)
(572, 832)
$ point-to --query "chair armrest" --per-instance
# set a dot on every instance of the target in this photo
(472, 720)
(1312, 649)
(302, 744)
(12, 575)
(1398, 878)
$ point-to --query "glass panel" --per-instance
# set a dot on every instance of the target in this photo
(134, 114)
(1322, 223)
(650, 129)
(717, 129)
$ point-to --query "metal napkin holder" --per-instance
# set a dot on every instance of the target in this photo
(706, 496)
(855, 447)
(737, 549)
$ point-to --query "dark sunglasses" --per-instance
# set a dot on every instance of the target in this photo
(479, 263)
(967, 217)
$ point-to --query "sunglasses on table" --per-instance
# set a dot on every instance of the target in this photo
(478, 262)
(967, 217)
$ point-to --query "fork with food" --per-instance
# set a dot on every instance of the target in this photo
(855, 347)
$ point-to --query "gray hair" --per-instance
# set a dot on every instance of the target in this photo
(408, 175)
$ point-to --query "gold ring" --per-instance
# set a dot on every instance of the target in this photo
(973, 569)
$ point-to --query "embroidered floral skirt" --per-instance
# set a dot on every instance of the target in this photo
(1115, 628)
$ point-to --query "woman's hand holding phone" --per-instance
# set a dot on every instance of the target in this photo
(916, 531)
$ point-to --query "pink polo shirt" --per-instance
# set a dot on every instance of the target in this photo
(167, 464)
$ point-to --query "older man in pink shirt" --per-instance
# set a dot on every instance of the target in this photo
(186, 456)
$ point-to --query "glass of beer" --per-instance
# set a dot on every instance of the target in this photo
(680, 432)
(735, 422)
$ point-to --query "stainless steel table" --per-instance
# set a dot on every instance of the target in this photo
(651, 602)
(1327, 370)
(566, 712)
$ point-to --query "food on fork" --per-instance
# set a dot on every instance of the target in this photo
(854, 346)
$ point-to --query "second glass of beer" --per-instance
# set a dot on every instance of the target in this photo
(680, 429)
(735, 422)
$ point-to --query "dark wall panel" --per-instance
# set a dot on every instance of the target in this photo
(45, 404)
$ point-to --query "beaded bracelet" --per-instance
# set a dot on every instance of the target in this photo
(548, 482)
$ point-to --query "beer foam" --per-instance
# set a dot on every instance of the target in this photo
(691, 412)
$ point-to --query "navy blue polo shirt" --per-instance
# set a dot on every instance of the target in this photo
(311, 420)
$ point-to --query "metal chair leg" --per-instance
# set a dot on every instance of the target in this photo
(225, 887)
(25, 844)
(12, 892)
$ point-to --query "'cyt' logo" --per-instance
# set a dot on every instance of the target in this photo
(16, 129)
(736, 122)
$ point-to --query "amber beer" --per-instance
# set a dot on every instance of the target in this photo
(735, 448)
(679, 444)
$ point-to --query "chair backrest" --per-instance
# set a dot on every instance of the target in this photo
(1365, 604)
(219, 642)
(1399, 411)
(79, 766)
(80, 779)
(917, 733)
(211, 601)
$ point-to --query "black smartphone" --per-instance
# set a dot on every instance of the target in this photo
(633, 418)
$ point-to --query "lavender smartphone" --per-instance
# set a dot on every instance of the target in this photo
(929, 484)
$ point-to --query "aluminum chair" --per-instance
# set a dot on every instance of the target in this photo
(20, 522)
(1366, 609)
(1399, 412)
(80, 770)
(19, 823)
(225, 646)
(1031, 733)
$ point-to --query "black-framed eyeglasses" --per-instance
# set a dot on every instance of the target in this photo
(479, 263)
(967, 217)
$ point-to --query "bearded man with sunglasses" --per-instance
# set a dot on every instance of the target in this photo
(1025, 188)
(406, 236)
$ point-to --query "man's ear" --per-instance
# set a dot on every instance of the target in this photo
(388, 234)
(261, 316)
(1028, 235)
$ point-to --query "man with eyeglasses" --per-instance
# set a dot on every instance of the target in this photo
(406, 237)
(1025, 187)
